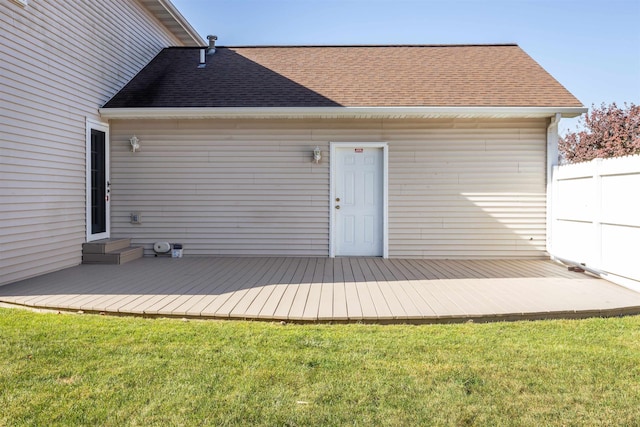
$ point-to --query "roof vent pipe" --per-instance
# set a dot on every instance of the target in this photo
(212, 44)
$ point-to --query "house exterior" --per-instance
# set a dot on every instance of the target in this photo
(426, 151)
(387, 151)
(60, 62)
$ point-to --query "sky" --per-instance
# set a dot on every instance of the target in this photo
(590, 47)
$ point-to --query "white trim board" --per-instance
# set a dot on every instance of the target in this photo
(338, 112)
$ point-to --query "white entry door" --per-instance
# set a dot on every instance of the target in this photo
(358, 201)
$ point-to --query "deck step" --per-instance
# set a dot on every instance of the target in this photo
(105, 245)
(119, 255)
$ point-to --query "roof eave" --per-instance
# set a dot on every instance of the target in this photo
(171, 17)
(338, 112)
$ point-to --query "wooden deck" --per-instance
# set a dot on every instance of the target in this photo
(324, 289)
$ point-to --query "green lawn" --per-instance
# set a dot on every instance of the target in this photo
(96, 370)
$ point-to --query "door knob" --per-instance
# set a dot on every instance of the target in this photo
(337, 199)
(337, 206)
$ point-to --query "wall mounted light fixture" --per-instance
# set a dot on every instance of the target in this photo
(135, 143)
(317, 155)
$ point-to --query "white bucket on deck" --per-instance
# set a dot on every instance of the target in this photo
(176, 252)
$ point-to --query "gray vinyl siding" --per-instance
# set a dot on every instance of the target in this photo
(60, 62)
(221, 188)
(469, 190)
(457, 188)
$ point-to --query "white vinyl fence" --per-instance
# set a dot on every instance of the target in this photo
(596, 216)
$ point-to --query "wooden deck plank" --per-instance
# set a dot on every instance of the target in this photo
(25, 291)
(66, 294)
(263, 289)
(311, 289)
(460, 269)
(413, 304)
(535, 268)
(302, 294)
(428, 270)
(284, 305)
(491, 269)
(299, 302)
(129, 291)
(211, 286)
(153, 290)
(499, 293)
(506, 269)
(279, 287)
(541, 297)
(429, 267)
(433, 305)
(201, 275)
(536, 300)
(396, 270)
(242, 297)
(477, 302)
(420, 307)
(478, 269)
(532, 268)
(377, 296)
(66, 282)
(444, 293)
(339, 293)
(553, 269)
(209, 305)
(566, 296)
(354, 309)
(315, 291)
(239, 281)
(418, 270)
(403, 290)
(431, 290)
(454, 270)
(274, 291)
(325, 304)
(202, 284)
(389, 292)
(438, 303)
(367, 307)
(524, 294)
(609, 297)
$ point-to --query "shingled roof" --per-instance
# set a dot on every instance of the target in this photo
(344, 76)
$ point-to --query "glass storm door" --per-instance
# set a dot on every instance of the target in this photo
(98, 186)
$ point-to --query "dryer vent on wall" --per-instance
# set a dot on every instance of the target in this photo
(161, 248)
